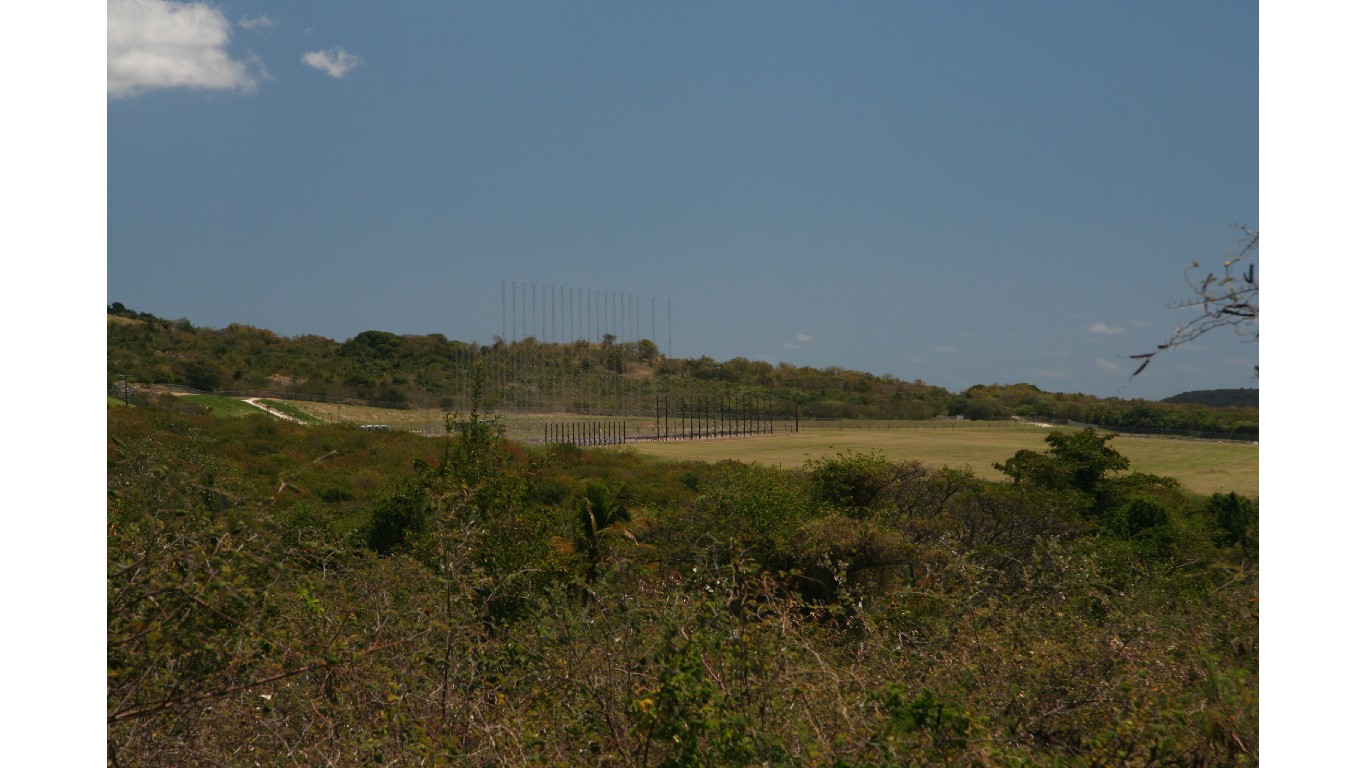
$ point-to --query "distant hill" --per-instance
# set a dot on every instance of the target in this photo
(1218, 398)
(607, 377)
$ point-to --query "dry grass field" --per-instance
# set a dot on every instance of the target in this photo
(1201, 466)
(524, 427)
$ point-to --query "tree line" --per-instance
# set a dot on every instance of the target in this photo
(601, 377)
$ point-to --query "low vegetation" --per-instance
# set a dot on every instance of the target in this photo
(323, 595)
(219, 405)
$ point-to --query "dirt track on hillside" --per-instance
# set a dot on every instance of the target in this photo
(256, 401)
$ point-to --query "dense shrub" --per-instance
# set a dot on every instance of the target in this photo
(400, 518)
(850, 482)
(1234, 515)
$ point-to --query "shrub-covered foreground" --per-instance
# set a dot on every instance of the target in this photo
(288, 596)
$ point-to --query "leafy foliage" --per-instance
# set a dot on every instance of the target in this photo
(853, 483)
(1235, 516)
(602, 513)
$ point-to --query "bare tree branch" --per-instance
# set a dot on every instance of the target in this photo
(1225, 298)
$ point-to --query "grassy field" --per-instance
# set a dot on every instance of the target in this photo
(224, 406)
(291, 410)
(1202, 467)
(525, 427)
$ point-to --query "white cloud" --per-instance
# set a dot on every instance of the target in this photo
(1108, 365)
(790, 345)
(260, 21)
(1103, 328)
(335, 62)
(160, 44)
(805, 338)
(260, 66)
(945, 349)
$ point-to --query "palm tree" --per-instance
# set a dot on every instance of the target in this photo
(602, 514)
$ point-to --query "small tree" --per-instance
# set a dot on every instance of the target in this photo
(1078, 461)
(1233, 515)
(648, 350)
(602, 514)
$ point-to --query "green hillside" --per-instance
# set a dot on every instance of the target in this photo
(1218, 398)
(604, 377)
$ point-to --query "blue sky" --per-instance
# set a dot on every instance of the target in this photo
(993, 174)
(961, 193)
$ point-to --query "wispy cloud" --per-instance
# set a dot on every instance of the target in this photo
(945, 349)
(260, 21)
(1106, 365)
(155, 44)
(334, 61)
(1103, 328)
(1042, 373)
(790, 345)
(805, 338)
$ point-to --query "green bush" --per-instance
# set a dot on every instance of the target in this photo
(400, 518)
(1234, 517)
(753, 509)
(850, 482)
